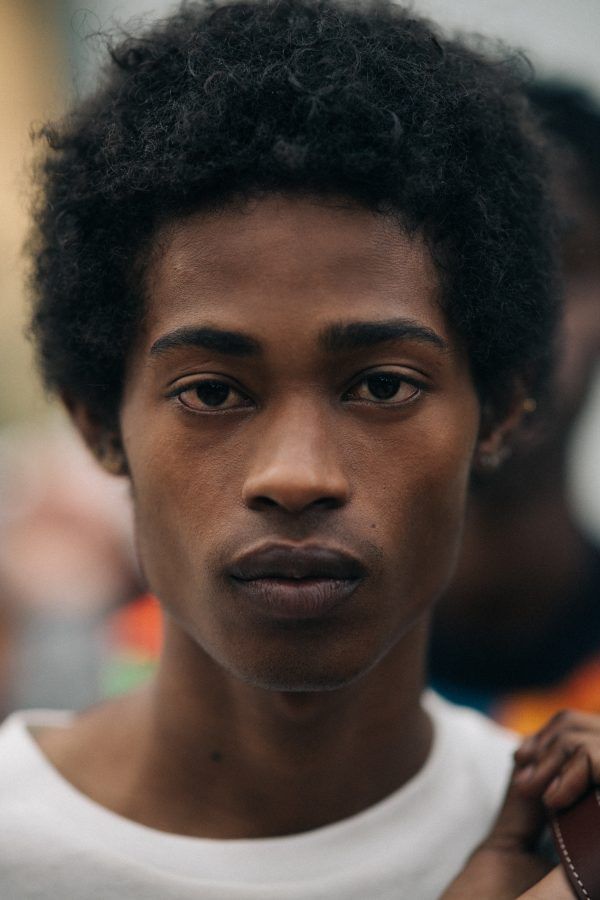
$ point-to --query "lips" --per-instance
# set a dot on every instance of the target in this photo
(296, 581)
(291, 561)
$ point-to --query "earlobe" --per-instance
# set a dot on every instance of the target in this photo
(494, 444)
(104, 443)
(109, 453)
(490, 460)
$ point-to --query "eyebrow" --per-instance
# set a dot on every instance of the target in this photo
(335, 338)
(230, 343)
(343, 336)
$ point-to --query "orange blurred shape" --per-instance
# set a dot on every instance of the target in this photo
(138, 627)
(526, 712)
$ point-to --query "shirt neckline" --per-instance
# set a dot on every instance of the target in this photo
(250, 859)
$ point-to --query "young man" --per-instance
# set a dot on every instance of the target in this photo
(294, 281)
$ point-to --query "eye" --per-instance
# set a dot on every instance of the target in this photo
(210, 395)
(384, 388)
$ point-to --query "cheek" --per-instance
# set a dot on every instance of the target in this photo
(181, 492)
(419, 505)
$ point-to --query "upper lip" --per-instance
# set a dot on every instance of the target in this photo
(281, 560)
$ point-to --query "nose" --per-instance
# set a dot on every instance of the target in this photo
(296, 464)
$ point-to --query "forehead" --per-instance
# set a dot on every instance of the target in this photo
(289, 262)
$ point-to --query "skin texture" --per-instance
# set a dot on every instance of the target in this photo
(255, 724)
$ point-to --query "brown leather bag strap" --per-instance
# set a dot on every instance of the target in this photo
(576, 833)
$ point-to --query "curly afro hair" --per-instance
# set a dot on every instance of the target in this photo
(361, 100)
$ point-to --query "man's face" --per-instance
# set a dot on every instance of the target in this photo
(299, 423)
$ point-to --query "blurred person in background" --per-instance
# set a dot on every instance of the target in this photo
(66, 563)
(523, 611)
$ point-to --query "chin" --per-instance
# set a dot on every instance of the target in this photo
(300, 683)
(301, 674)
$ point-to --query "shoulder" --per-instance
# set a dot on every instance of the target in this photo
(463, 720)
(477, 751)
(29, 822)
(23, 768)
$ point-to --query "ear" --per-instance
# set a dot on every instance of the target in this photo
(105, 443)
(494, 443)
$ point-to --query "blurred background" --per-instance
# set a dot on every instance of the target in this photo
(75, 621)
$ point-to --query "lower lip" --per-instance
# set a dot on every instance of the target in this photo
(306, 598)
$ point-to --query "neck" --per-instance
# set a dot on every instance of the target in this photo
(224, 759)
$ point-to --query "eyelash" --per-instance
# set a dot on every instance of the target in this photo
(402, 380)
(178, 392)
(419, 388)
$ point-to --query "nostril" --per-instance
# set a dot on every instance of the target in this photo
(295, 487)
(264, 502)
(294, 505)
(327, 503)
